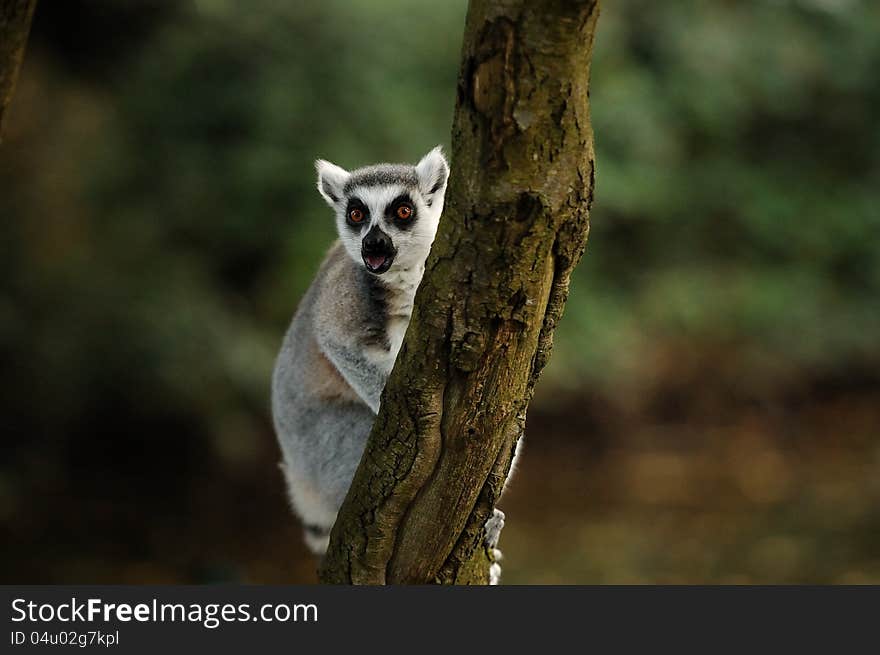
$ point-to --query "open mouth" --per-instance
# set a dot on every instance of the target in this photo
(377, 262)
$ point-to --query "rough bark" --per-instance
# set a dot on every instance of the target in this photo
(15, 24)
(515, 225)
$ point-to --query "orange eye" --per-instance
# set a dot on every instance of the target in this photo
(356, 215)
(404, 212)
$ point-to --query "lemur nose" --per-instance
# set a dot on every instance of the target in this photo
(376, 240)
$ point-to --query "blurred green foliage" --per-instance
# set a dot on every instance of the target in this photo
(739, 188)
(159, 217)
(737, 202)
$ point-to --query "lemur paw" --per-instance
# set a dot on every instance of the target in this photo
(493, 532)
(493, 528)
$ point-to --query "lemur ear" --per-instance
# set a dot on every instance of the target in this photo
(331, 181)
(432, 171)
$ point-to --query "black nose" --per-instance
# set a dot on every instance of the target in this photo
(377, 241)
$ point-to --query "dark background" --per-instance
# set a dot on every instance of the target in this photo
(710, 413)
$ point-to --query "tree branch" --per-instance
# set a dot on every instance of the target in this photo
(15, 24)
(496, 282)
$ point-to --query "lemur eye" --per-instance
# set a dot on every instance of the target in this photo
(356, 215)
(404, 212)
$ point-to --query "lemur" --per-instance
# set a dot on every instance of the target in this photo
(346, 333)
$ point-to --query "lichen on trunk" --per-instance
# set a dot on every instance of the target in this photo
(496, 282)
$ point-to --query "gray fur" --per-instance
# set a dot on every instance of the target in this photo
(345, 336)
(383, 174)
(325, 390)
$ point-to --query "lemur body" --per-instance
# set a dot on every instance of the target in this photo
(346, 333)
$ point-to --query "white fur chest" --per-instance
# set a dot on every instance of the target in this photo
(402, 288)
(396, 331)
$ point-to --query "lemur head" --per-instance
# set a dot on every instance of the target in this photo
(387, 214)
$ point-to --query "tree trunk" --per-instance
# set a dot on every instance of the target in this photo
(515, 225)
(15, 23)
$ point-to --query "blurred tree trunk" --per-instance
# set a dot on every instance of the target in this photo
(515, 225)
(15, 23)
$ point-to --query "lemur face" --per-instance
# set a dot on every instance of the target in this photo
(387, 214)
